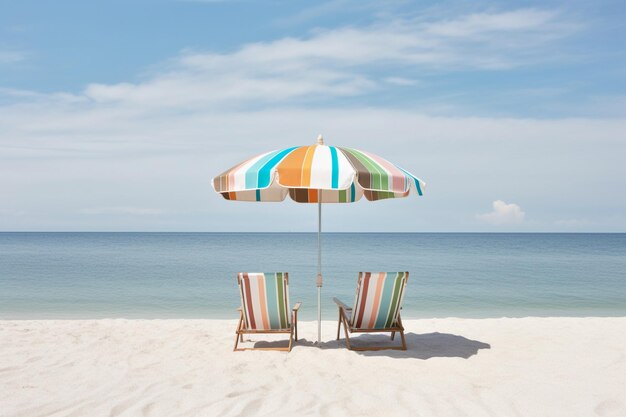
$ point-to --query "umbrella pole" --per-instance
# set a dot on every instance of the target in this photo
(319, 268)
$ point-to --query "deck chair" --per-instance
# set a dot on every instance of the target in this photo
(265, 307)
(376, 308)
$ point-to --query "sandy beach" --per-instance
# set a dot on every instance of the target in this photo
(454, 367)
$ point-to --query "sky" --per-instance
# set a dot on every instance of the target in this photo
(114, 116)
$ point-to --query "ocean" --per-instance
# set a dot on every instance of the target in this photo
(193, 275)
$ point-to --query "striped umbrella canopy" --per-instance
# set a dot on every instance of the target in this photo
(316, 174)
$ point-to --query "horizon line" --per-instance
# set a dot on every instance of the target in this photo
(313, 232)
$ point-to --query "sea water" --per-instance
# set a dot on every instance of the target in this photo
(193, 275)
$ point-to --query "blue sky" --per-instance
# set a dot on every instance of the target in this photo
(114, 115)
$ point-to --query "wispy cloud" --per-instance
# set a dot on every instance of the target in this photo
(333, 63)
(10, 57)
(482, 24)
(401, 81)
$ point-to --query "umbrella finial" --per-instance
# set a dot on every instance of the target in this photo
(320, 140)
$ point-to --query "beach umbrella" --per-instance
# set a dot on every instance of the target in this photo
(316, 174)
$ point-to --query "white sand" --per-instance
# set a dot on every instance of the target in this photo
(454, 367)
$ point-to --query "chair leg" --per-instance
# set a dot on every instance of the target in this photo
(236, 342)
(403, 341)
(295, 324)
(238, 334)
(339, 324)
(402, 332)
(345, 329)
(290, 340)
(393, 334)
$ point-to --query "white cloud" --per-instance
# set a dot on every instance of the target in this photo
(486, 23)
(401, 81)
(198, 91)
(503, 214)
(335, 63)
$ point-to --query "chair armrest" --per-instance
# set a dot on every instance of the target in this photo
(296, 307)
(340, 304)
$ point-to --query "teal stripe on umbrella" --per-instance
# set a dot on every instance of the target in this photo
(416, 181)
(264, 175)
(252, 174)
(334, 167)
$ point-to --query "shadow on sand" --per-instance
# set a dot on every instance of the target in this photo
(419, 346)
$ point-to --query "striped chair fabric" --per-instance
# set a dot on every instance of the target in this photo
(265, 300)
(378, 299)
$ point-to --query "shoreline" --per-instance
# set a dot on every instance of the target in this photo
(301, 320)
(557, 366)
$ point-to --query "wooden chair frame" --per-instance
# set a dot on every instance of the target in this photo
(343, 318)
(292, 330)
